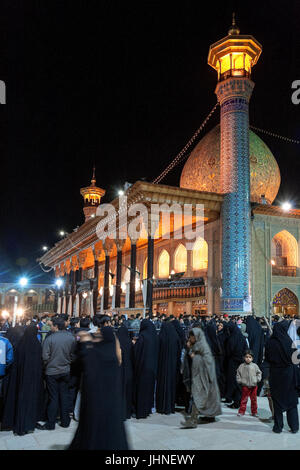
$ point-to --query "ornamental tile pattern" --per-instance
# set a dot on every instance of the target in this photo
(235, 183)
(285, 297)
(202, 170)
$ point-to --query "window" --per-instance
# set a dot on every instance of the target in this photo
(164, 264)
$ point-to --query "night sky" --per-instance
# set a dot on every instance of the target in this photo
(123, 84)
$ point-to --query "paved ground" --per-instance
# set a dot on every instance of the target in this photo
(160, 432)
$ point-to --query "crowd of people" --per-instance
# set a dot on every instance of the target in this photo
(104, 370)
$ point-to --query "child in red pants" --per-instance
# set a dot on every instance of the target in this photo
(248, 375)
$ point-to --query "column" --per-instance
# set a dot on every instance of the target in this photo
(150, 255)
(170, 308)
(61, 292)
(107, 250)
(119, 244)
(153, 222)
(96, 253)
(40, 297)
(106, 282)
(210, 278)
(81, 261)
(188, 307)
(73, 289)
(67, 285)
(56, 301)
(234, 95)
(132, 273)
(189, 267)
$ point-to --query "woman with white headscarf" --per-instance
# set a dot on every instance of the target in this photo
(293, 332)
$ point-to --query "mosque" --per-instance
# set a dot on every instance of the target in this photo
(247, 259)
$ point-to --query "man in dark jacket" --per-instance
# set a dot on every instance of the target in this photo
(58, 353)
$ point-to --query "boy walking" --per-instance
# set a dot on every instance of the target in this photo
(248, 376)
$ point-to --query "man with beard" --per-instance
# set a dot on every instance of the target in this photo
(168, 367)
(145, 369)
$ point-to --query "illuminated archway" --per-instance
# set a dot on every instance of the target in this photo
(126, 277)
(180, 259)
(285, 302)
(145, 268)
(164, 264)
(284, 249)
(200, 254)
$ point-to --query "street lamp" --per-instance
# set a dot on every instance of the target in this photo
(20, 312)
(45, 248)
(5, 314)
(59, 283)
(286, 206)
(23, 281)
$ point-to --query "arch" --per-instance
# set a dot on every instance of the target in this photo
(30, 292)
(286, 302)
(145, 268)
(180, 259)
(164, 264)
(278, 247)
(200, 254)
(126, 277)
(284, 249)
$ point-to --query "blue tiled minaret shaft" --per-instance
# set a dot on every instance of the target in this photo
(234, 94)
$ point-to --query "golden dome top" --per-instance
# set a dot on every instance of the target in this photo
(202, 169)
(233, 30)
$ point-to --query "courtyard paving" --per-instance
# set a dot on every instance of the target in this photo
(160, 432)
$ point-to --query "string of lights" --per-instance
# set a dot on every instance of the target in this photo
(287, 139)
(180, 156)
(45, 270)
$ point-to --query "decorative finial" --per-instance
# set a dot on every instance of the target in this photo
(234, 30)
(93, 180)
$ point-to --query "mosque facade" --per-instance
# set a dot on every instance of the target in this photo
(247, 257)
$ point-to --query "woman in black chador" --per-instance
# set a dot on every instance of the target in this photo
(145, 369)
(101, 424)
(14, 334)
(256, 339)
(235, 348)
(283, 377)
(25, 394)
(218, 353)
(168, 366)
(126, 369)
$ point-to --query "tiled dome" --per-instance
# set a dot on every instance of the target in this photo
(202, 169)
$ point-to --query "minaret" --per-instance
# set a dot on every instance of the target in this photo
(233, 57)
(92, 197)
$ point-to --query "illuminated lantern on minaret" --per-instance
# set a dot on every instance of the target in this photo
(233, 57)
(92, 197)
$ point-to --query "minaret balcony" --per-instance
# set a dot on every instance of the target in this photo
(290, 271)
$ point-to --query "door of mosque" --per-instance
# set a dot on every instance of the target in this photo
(285, 302)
